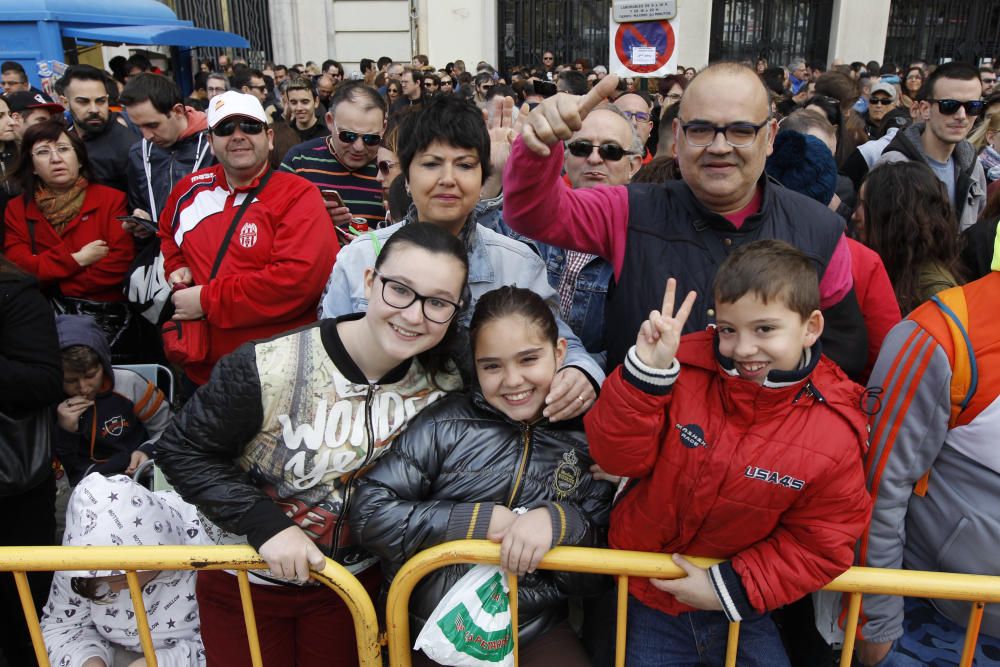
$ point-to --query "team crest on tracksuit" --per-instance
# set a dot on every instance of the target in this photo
(248, 235)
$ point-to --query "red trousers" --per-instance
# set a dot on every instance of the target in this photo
(297, 627)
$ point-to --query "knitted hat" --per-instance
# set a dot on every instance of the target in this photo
(804, 164)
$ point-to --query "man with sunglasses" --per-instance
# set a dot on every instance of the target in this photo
(682, 229)
(949, 102)
(342, 165)
(277, 256)
(881, 100)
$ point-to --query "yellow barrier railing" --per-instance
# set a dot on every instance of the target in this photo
(623, 564)
(20, 560)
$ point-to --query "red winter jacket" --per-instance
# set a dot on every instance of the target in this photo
(52, 260)
(277, 264)
(769, 478)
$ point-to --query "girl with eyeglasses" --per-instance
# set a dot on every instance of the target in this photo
(912, 83)
(67, 232)
(270, 450)
(488, 465)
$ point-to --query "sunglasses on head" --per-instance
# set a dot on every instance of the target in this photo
(949, 107)
(349, 137)
(612, 152)
(227, 127)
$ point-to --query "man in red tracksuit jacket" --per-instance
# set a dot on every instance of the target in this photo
(743, 444)
(278, 258)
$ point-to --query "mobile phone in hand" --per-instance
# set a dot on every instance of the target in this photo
(332, 196)
(148, 225)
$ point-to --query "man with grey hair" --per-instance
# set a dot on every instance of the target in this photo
(216, 84)
(798, 75)
(638, 108)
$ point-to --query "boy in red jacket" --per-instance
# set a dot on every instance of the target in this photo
(742, 443)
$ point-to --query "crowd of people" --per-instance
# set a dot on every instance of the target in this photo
(543, 307)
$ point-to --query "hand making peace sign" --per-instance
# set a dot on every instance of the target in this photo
(660, 335)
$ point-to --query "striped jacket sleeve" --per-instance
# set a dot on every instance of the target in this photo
(908, 400)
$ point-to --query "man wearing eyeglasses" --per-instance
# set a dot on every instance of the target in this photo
(277, 256)
(343, 164)
(949, 102)
(638, 108)
(682, 229)
(413, 94)
(988, 77)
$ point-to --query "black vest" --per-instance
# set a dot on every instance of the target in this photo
(672, 235)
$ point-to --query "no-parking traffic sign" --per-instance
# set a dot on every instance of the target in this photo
(644, 48)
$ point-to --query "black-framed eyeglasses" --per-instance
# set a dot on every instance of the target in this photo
(738, 135)
(609, 151)
(385, 166)
(951, 107)
(349, 137)
(640, 116)
(227, 127)
(399, 295)
(880, 101)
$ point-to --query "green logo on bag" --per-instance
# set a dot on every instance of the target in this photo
(467, 637)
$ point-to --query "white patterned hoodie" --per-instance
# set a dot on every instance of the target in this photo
(106, 511)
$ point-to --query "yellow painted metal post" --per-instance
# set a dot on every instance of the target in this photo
(621, 621)
(356, 598)
(850, 629)
(512, 582)
(972, 633)
(732, 644)
(249, 619)
(141, 622)
(34, 629)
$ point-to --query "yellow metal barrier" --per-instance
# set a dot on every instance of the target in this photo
(623, 564)
(20, 560)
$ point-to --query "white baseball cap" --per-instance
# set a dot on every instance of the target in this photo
(233, 103)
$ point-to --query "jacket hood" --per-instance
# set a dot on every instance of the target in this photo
(822, 379)
(83, 330)
(909, 144)
(197, 122)
(116, 511)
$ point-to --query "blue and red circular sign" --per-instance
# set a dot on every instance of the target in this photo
(658, 34)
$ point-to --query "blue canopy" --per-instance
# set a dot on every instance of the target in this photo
(176, 34)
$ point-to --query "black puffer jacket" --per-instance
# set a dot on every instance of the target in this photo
(455, 462)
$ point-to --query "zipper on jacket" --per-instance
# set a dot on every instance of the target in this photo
(522, 466)
(349, 485)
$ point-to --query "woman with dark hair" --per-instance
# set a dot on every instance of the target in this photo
(912, 83)
(907, 218)
(444, 154)
(242, 449)
(32, 381)
(66, 231)
(393, 91)
(845, 91)
(8, 156)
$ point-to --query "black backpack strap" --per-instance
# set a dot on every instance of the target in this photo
(236, 220)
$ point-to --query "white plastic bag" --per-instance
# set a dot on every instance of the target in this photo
(471, 627)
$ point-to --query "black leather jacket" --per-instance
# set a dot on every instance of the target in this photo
(455, 461)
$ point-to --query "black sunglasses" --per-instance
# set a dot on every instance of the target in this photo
(949, 107)
(226, 128)
(385, 166)
(612, 152)
(349, 137)
(879, 101)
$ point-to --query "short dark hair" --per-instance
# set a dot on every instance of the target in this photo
(157, 89)
(449, 119)
(366, 64)
(300, 83)
(952, 70)
(327, 64)
(14, 66)
(50, 130)
(359, 93)
(243, 75)
(81, 73)
(138, 61)
(510, 300)
(771, 270)
(80, 358)
(384, 61)
(573, 82)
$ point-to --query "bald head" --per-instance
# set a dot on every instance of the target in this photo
(715, 77)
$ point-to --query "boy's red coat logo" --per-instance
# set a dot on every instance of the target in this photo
(115, 426)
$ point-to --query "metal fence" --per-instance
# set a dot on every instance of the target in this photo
(570, 30)
(20, 560)
(938, 30)
(248, 18)
(778, 30)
